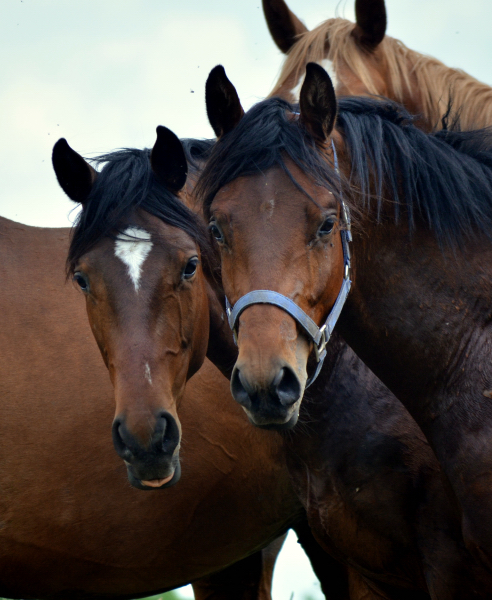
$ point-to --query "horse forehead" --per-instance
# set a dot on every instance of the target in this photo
(261, 194)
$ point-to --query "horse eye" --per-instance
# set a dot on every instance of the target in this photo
(81, 281)
(327, 226)
(190, 268)
(215, 231)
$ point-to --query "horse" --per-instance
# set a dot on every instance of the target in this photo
(71, 526)
(276, 192)
(154, 315)
(364, 61)
(94, 264)
(97, 268)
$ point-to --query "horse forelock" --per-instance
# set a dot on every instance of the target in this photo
(266, 136)
(124, 184)
(436, 83)
(342, 47)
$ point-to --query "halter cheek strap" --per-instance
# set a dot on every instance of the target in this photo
(320, 336)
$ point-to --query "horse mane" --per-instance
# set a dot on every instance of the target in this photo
(126, 182)
(436, 83)
(197, 152)
(442, 179)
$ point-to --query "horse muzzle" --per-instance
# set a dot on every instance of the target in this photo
(156, 465)
(155, 484)
(270, 405)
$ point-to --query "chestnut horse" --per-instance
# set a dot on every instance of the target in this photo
(363, 60)
(139, 256)
(273, 195)
(70, 524)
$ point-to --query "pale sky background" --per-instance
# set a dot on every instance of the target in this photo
(105, 73)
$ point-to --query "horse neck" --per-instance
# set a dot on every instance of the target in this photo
(418, 315)
(221, 348)
(342, 393)
(436, 87)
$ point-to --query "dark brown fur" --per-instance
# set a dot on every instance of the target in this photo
(373, 490)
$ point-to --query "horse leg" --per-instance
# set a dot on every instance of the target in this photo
(333, 575)
(341, 582)
(248, 579)
(360, 589)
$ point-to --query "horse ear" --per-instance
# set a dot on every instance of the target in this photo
(168, 160)
(282, 23)
(370, 17)
(317, 102)
(74, 174)
(224, 109)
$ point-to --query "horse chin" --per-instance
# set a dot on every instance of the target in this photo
(140, 485)
(275, 426)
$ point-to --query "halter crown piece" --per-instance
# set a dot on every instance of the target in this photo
(320, 336)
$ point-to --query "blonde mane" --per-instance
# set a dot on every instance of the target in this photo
(429, 82)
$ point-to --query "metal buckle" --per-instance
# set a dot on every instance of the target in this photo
(228, 313)
(320, 349)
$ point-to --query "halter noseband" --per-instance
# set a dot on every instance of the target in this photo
(320, 336)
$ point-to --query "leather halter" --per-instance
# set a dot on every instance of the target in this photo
(320, 336)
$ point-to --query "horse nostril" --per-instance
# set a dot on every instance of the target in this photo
(166, 433)
(287, 386)
(119, 445)
(238, 389)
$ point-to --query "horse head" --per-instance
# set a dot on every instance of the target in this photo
(275, 214)
(355, 54)
(137, 253)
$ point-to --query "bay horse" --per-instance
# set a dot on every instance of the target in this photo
(154, 316)
(363, 60)
(108, 211)
(418, 312)
(71, 526)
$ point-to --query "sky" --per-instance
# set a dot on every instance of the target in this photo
(105, 73)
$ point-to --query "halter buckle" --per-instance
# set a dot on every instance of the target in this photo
(320, 347)
(231, 324)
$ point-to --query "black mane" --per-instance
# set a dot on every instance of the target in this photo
(263, 138)
(443, 179)
(197, 152)
(126, 182)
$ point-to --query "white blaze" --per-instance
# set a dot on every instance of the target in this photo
(297, 89)
(133, 247)
(327, 66)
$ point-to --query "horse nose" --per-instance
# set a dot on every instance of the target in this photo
(163, 441)
(273, 397)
